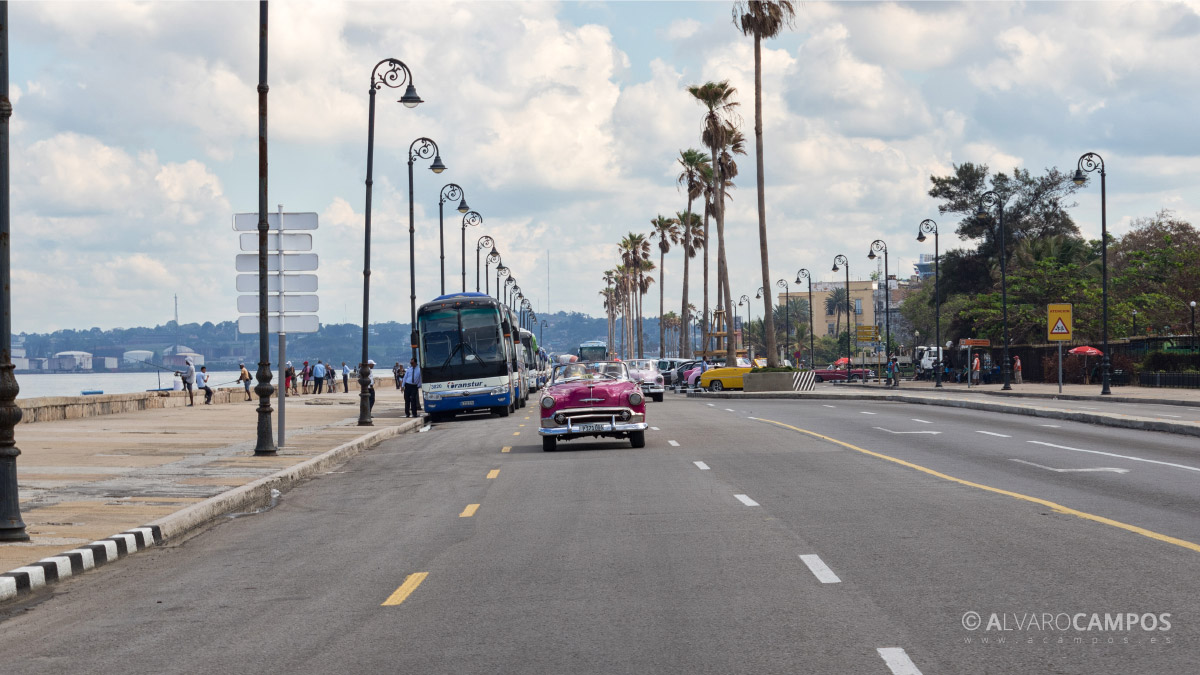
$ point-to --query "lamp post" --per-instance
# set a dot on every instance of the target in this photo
(1135, 322)
(501, 271)
(470, 219)
(927, 226)
(450, 191)
(812, 340)
(492, 258)
(787, 316)
(12, 528)
(745, 331)
(422, 148)
(878, 246)
(541, 331)
(264, 443)
(1192, 304)
(990, 198)
(840, 259)
(1087, 163)
(508, 284)
(482, 243)
(394, 75)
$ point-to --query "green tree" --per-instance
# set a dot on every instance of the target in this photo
(694, 167)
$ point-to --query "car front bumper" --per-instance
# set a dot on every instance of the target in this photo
(589, 429)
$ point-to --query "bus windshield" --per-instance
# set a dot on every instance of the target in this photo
(459, 337)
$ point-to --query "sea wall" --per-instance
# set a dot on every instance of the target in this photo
(51, 408)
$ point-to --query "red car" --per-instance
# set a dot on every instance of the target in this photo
(833, 374)
(596, 398)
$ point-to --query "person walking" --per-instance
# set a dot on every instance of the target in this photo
(412, 387)
(345, 377)
(330, 378)
(397, 374)
(290, 378)
(975, 370)
(244, 378)
(371, 385)
(318, 374)
(1017, 368)
(305, 377)
(189, 378)
(894, 372)
(202, 385)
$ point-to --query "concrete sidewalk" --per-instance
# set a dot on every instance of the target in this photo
(84, 480)
(1075, 392)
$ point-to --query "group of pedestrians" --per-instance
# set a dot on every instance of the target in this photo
(318, 378)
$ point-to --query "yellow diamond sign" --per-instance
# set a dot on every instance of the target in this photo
(1058, 323)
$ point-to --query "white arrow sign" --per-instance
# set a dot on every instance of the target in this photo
(292, 283)
(295, 323)
(248, 304)
(1050, 468)
(247, 222)
(292, 262)
(291, 241)
(932, 433)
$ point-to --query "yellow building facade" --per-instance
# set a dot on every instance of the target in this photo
(862, 304)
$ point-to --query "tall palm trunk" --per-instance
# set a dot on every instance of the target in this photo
(704, 310)
(640, 296)
(772, 356)
(685, 348)
(662, 326)
(722, 264)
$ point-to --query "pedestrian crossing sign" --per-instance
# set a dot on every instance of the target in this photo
(1058, 323)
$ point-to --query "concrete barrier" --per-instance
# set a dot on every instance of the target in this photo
(53, 408)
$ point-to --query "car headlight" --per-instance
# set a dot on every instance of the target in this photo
(636, 398)
(547, 402)
(431, 396)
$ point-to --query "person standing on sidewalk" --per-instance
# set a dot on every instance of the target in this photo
(975, 370)
(1017, 368)
(318, 373)
(412, 387)
(202, 385)
(330, 378)
(244, 378)
(189, 378)
(305, 377)
(397, 374)
(371, 385)
(345, 377)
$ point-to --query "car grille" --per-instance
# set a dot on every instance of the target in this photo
(585, 415)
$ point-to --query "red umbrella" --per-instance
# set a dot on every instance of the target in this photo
(1086, 351)
(841, 362)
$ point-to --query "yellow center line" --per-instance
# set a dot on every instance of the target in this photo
(493, 473)
(526, 418)
(469, 511)
(516, 433)
(1058, 508)
(506, 448)
(520, 425)
(410, 584)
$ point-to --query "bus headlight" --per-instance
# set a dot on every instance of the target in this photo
(547, 402)
(431, 396)
(636, 398)
(499, 390)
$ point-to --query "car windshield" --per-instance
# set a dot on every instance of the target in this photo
(639, 364)
(593, 370)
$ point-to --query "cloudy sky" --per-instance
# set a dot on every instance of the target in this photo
(134, 137)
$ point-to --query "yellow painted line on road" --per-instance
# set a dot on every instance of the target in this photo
(526, 418)
(469, 511)
(1058, 508)
(493, 473)
(410, 584)
(516, 433)
(520, 425)
(507, 448)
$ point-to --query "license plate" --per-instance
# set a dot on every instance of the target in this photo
(592, 427)
(467, 403)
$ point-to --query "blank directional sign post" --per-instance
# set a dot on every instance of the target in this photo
(288, 241)
(248, 222)
(292, 262)
(292, 323)
(292, 283)
(248, 304)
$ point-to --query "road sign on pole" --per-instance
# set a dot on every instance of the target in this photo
(291, 303)
(248, 222)
(285, 241)
(292, 283)
(290, 323)
(292, 262)
(975, 342)
(1059, 326)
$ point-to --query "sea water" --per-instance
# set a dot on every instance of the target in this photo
(36, 385)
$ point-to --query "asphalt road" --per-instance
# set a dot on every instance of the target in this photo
(683, 557)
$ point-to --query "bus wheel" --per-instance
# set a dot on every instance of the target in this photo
(502, 411)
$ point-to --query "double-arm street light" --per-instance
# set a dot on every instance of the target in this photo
(987, 199)
(840, 259)
(1087, 163)
(470, 219)
(878, 246)
(393, 74)
(787, 316)
(812, 340)
(744, 300)
(927, 226)
(450, 192)
(422, 148)
(484, 242)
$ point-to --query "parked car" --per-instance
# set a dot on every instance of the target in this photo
(597, 398)
(836, 374)
(717, 379)
(667, 367)
(645, 372)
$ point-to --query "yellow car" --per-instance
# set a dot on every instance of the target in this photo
(718, 379)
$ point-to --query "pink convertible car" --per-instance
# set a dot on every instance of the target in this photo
(596, 398)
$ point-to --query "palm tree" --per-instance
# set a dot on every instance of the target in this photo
(644, 281)
(835, 304)
(635, 249)
(691, 237)
(667, 232)
(695, 166)
(717, 98)
(764, 19)
(609, 299)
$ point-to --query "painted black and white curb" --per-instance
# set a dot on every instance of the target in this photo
(76, 561)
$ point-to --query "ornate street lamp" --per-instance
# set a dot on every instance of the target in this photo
(812, 340)
(1192, 304)
(501, 272)
(1135, 322)
(787, 316)
(514, 293)
(745, 331)
(878, 246)
(990, 198)
(844, 262)
(393, 76)
(470, 219)
(422, 148)
(541, 331)
(484, 242)
(1087, 163)
(508, 283)
(927, 226)
(450, 192)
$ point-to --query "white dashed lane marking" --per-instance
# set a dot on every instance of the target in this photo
(820, 570)
(1110, 454)
(992, 433)
(897, 661)
(746, 500)
(828, 406)
(655, 429)
(867, 413)
(674, 444)
(922, 421)
(729, 410)
(701, 465)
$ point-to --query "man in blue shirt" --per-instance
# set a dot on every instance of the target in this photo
(412, 387)
(345, 377)
(318, 376)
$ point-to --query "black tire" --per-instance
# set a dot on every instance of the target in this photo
(658, 398)
(817, 378)
(715, 385)
(637, 439)
(503, 411)
(549, 443)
